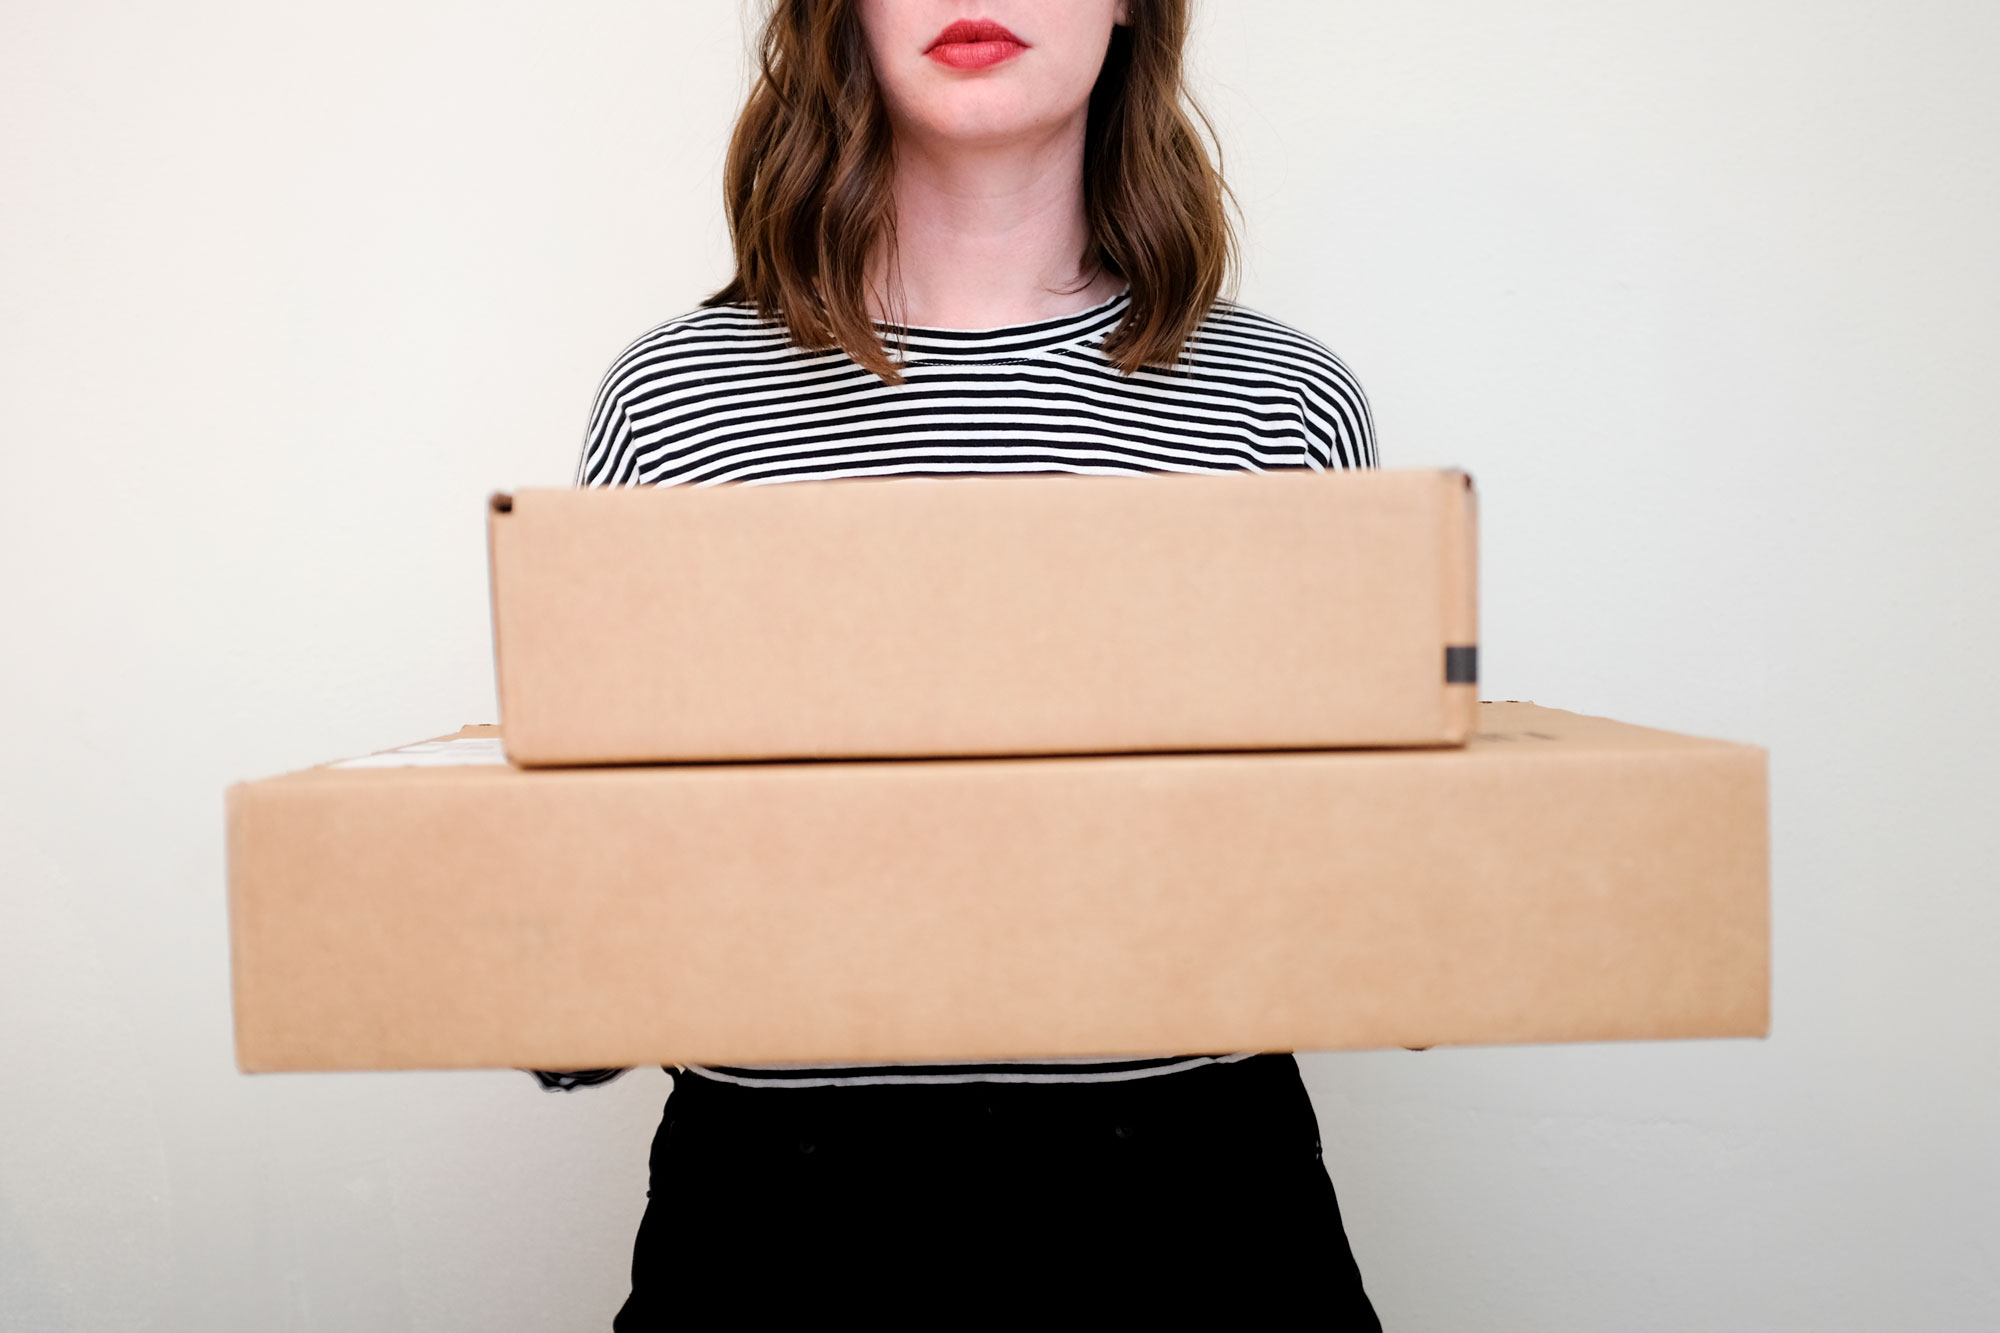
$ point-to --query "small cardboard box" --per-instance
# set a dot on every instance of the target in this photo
(1003, 616)
(1562, 878)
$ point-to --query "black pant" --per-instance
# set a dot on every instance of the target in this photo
(989, 1202)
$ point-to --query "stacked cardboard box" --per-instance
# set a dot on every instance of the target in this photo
(1178, 764)
(1018, 615)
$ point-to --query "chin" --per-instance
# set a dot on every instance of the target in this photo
(980, 118)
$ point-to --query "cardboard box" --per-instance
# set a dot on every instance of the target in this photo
(1006, 615)
(1563, 878)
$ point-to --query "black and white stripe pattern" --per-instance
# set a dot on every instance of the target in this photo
(721, 396)
(992, 1071)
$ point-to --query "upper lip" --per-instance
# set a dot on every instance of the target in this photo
(966, 31)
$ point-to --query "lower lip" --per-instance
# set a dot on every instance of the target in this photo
(975, 55)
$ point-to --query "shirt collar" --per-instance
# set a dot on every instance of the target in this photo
(1007, 343)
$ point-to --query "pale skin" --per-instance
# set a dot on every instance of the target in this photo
(990, 225)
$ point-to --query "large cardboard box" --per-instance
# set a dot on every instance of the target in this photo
(1563, 878)
(1008, 615)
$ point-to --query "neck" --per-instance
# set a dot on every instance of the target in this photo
(989, 235)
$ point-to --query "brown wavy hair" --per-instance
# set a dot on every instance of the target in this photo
(807, 185)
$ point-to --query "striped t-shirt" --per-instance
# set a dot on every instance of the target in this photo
(720, 395)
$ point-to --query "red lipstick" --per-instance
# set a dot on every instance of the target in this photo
(974, 44)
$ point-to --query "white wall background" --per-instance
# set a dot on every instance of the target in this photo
(1707, 295)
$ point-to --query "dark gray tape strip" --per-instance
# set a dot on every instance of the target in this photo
(1461, 664)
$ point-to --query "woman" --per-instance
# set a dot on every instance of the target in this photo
(980, 236)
